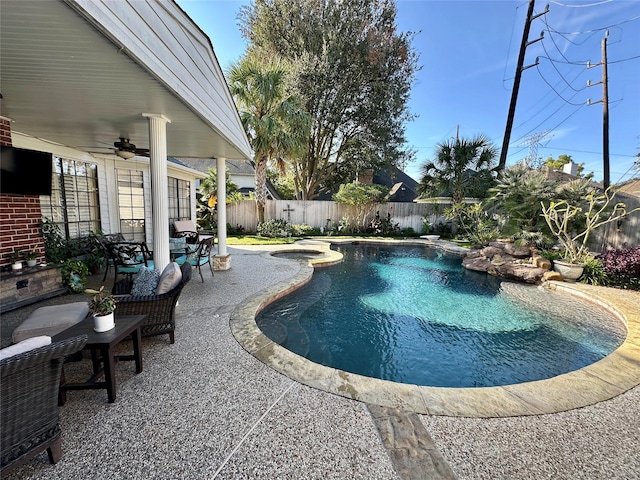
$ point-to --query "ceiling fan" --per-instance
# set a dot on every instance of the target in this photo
(126, 149)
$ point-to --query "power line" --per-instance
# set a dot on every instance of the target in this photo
(549, 92)
(587, 151)
(581, 6)
(556, 92)
(601, 29)
(551, 129)
(558, 71)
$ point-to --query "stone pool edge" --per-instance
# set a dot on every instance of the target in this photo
(600, 381)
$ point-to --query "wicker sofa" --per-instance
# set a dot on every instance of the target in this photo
(29, 402)
(159, 309)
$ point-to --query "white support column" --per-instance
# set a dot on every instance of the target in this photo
(222, 261)
(159, 188)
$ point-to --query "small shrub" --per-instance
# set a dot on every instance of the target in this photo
(473, 223)
(383, 226)
(622, 267)
(301, 230)
(443, 229)
(237, 230)
(537, 239)
(274, 228)
(408, 232)
(345, 227)
(594, 273)
(551, 255)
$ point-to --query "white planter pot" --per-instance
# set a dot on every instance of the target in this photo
(570, 271)
(32, 263)
(16, 266)
(103, 323)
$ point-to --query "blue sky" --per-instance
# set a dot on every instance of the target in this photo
(468, 53)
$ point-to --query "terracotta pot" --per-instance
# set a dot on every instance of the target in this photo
(570, 271)
(103, 323)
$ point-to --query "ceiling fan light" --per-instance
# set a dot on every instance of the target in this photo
(125, 154)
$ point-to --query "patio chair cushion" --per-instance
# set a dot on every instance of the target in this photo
(24, 346)
(170, 278)
(146, 282)
(50, 320)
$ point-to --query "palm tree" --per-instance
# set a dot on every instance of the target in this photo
(276, 125)
(458, 166)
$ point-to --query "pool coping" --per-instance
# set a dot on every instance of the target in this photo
(600, 381)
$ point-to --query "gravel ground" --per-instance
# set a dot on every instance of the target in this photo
(205, 408)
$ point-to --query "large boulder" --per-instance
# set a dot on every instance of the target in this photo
(521, 272)
(505, 259)
(477, 264)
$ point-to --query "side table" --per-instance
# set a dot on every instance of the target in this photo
(103, 358)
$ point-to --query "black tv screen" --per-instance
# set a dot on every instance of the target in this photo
(25, 172)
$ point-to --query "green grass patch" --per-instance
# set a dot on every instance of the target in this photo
(256, 240)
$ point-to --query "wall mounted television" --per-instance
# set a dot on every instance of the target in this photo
(25, 172)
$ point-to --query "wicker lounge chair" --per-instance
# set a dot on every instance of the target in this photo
(29, 402)
(159, 309)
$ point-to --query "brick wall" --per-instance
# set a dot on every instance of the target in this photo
(20, 216)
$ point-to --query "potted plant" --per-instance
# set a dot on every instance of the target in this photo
(74, 275)
(16, 260)
(102, 305)
(31, 256)
(562, 219)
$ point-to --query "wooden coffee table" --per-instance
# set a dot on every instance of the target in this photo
(103, 358)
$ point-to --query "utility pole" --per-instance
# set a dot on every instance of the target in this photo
(516, 82)
(605, 110)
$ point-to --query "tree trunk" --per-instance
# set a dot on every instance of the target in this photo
(261, 187)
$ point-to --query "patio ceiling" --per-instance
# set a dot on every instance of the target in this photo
(81, 73)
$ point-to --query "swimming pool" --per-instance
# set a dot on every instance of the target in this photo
(414, 315)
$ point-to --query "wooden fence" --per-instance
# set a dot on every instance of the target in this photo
(622, 234)
(327, 214)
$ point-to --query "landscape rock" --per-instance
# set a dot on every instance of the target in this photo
(551, 275)
(517, 251)
(477, 264)
(541, 262)
(521, 272)
(506, 260)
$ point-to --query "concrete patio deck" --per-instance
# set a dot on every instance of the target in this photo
(205, 408)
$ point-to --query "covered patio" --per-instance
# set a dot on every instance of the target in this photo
(79, 76)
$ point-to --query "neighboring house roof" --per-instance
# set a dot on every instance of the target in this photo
(236, 168)
(241, 168)
(631, 187)
(403, 187)
(200, 164)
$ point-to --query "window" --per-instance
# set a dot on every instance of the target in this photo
(179, 201)
(131, 204)
(73, 204)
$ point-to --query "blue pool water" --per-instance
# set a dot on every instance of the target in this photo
(414, 315)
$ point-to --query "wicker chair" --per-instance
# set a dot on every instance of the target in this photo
(159, 309)
(29, 402)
